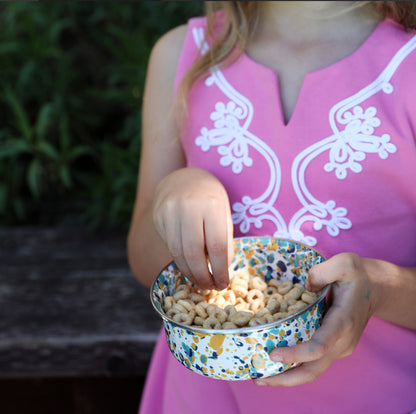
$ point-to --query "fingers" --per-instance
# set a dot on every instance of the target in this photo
(339, 268)
(322, 342)
(315, 355)
(193, 252)
(303, 374)
(192, 215)
(217, 243)
(188, 238)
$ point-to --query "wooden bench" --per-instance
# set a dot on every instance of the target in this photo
(70, 307)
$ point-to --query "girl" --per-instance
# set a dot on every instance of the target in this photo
(298, 120)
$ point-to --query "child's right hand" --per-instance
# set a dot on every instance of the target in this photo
(191, 213)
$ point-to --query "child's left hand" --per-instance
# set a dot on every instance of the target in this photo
(353, 302)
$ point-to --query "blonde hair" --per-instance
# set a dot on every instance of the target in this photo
(229, 40)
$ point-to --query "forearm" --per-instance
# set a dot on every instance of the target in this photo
(147, 253)
(395, 292)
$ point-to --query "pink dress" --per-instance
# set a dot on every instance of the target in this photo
(339, 176)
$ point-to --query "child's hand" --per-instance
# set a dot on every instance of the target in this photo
(192, 215)
(353, 303)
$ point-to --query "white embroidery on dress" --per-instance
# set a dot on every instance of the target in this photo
(347, 148)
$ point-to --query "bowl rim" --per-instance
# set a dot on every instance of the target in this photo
(246, 329)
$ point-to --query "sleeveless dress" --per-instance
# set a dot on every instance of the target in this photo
(338, 176)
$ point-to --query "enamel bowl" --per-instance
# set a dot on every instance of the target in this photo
(243, 353)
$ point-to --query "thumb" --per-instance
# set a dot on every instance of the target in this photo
(318, 277)
(339, 268)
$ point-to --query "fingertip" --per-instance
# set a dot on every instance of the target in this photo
(223, 282)
(276, 357)
(312, 282)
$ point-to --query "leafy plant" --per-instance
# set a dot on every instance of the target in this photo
(72, 81)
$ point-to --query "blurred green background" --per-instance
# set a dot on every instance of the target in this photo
(71, 78)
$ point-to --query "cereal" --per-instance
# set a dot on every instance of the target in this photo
(229, 325)
(256, 304)
(201, 311)
(273, 305)
(211, 323)
(247, 301)
(285, 287)
(309, 297)
(241, 318)
(180, 294)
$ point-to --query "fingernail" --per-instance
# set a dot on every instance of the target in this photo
(259, 382)
(276, 357)
(222, 285)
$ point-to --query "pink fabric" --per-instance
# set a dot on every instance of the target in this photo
(339, 176)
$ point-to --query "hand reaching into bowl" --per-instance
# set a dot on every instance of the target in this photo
(192, 215)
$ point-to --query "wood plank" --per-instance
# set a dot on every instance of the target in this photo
(70, 306)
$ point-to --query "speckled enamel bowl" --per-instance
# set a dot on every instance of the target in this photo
(242, 354)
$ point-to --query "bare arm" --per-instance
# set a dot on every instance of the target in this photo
(161, 154)
(180, 213)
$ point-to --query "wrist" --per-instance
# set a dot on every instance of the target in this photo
(387, 285)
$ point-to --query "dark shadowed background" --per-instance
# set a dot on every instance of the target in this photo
(76, 329)
(71, 80)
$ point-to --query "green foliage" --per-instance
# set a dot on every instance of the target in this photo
(71, 88)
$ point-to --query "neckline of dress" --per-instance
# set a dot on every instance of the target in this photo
(347, 60)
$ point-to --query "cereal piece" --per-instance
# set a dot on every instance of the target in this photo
(229, 296)
(184, 318)
(254, 294)
(211, 308)
(175, 309)
(279, 315)
(199, 321)
(219, 314)
(294, 293)
(297, 306)
(201, 311)
(195, 297)
(242, 275)
(205, 293)
(262, 312)
(181, 294)
(274, 283)
(168, 302)
(276, 296)
(256, 304)
(273, 305)
(285, 287)
(241, 318)
(283, 305)
(257, 283)
(230, 310)
(211, 323)
(270, 291)
(229, 325)
(187, 304)
(309, 297)
(179, 308)
(269, 318)
(241, 304)
(240, 291)
(186, 288)
(256, 321)
(219, 301)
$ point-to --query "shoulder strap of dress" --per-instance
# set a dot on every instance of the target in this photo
(191, 49)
